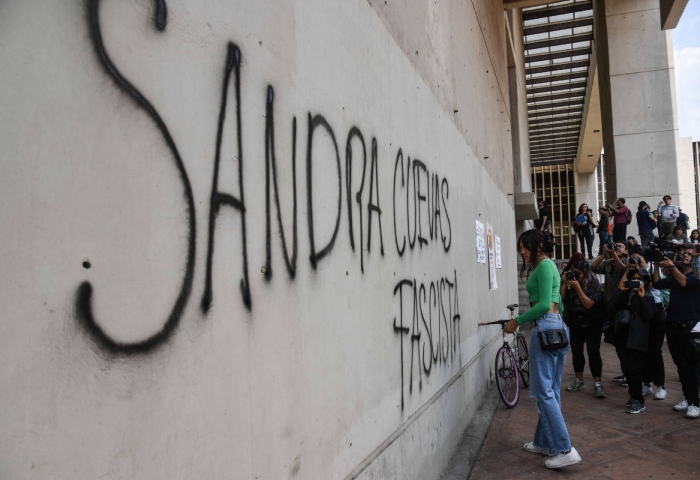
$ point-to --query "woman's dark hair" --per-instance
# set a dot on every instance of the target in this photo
(588, 277)
(537, 242)
(580, 208)
(576, 257)
(696, 231)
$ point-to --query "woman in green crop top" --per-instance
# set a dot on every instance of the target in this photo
(546, 366)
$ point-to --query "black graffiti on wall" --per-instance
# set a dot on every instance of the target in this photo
(429, 198)
(84, 295)
(218, 198)
(441, 328)
(271, 171)
(430, 194)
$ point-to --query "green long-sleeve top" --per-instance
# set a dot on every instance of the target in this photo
(543, 287)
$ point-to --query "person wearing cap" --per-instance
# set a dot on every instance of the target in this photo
(646, 223)
(632, 337)
(682, 315)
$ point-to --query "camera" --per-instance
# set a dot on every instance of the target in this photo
(610, 246)
(570, 275)
(656, 252)
(634, 261)
(633, 284)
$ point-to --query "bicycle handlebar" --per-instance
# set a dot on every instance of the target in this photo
(497, 322)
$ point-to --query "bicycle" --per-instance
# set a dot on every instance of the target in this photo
(512, 363)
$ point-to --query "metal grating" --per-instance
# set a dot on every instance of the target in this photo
(557, 41)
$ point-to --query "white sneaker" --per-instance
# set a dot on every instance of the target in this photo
(660, 393)
(530, 447)
(693, 412)
(681, 407)
(563, 459)
(646, 389)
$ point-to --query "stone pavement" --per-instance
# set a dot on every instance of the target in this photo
(658, 443)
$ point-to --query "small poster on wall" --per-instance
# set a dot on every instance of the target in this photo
(498, 251)
(480, 243)
(493, 284)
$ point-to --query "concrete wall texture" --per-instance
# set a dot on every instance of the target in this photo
(238, 237)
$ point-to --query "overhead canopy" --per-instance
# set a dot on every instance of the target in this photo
(557, 39)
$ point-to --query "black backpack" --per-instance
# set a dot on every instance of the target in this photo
(629, 217)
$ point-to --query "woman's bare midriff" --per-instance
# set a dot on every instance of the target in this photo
(553, 309)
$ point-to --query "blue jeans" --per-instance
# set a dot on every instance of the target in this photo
(604, 238)
(546, 370)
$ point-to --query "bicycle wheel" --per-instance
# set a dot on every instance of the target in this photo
(507, 378)
(523, 359)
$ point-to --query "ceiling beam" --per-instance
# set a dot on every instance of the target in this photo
(559, 10)
(556, 26)
(548, 135)
(557, 78)
(554, 122)
(553, 105)
(554, 88)
(554, 149)
(558, 113)
(553, 67)
(551, 162)
(554, 157)
(567, 137)
(558, 96)
(563, 40)
(573, 52)
(509, 4)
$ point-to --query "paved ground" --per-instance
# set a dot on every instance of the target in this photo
(658, 443)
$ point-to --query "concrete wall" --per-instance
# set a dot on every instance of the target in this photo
(222, 256)
(687, 179)
(638, 103)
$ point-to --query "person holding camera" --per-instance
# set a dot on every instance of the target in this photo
(682, 315)
(582, 227)
(612, 264)
(635, 312)
(622, 217)
(582, 297)
(653, 369)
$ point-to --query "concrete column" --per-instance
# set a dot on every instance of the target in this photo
(638, 103)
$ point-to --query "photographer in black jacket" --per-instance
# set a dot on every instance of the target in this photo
(612, 264)
(635, 314)
(682, 315)
(582, 297)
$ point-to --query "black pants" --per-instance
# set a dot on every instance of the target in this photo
(591, 337)
(621, 333)
(633, 372)
(653, 369)
(585, 237)
(684, 358)
(620, 233)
